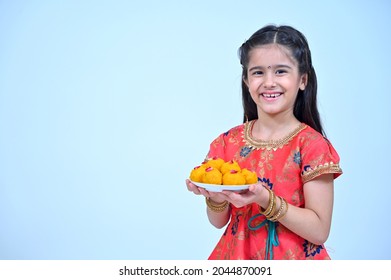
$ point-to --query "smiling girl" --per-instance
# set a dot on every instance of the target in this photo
(288, 213)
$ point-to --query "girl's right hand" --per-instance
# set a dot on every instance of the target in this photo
(217, 197)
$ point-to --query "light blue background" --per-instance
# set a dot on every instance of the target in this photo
(105, 106)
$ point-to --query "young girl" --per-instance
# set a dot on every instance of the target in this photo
(287, 214)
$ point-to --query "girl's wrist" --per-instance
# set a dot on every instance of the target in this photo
(265, 197)
(215, 201)
(215, 206)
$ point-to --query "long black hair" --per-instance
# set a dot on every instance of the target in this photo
(305, 107)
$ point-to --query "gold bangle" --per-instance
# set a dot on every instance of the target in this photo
(280, 213)
(216, 207)
(274, 210)
(286, 210)
(274, 218)
(271, 204)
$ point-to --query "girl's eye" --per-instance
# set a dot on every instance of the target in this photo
(281, 71)
(257, 73)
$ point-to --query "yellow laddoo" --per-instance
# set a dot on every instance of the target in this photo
(219, 172)
(230, 165)
(214, 162)
(251, 177)
(197, 174)
(234, 177)
(212, 176)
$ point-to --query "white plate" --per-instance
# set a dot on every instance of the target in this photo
(219, 188)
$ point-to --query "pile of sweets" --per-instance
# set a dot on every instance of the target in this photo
(219, 172)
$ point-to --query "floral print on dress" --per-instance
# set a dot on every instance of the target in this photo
(234, 228)
(245, 151)
(306, 168)
(297, 157)
(311, 249)
(266, 183)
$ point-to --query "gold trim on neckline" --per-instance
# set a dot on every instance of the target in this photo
(269, 144)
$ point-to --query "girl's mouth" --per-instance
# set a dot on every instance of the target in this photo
(271, 95)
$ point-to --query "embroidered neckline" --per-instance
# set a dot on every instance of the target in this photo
(269, 144)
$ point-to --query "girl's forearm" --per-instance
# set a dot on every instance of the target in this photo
(218, 213)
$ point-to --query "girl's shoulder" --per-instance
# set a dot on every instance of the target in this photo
(232, 135)
(310, 135)
(234, 130)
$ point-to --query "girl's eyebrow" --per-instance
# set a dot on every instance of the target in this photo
(274, 66)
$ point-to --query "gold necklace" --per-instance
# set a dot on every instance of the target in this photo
(269, 144)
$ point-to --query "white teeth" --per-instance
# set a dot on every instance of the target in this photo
(274, 95)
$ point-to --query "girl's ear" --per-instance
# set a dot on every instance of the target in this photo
(303, 81)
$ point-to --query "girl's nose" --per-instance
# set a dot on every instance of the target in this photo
(269, 81)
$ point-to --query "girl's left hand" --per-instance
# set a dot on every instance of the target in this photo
(255, 194)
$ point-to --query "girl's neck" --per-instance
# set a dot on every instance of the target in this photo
(274, 127)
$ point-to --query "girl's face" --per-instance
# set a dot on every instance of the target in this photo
(273, 80)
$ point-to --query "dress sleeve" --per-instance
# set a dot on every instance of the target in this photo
(319, 157)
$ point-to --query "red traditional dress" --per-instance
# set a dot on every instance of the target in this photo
(283, 166)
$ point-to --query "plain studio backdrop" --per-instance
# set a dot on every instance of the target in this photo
(106, 106)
